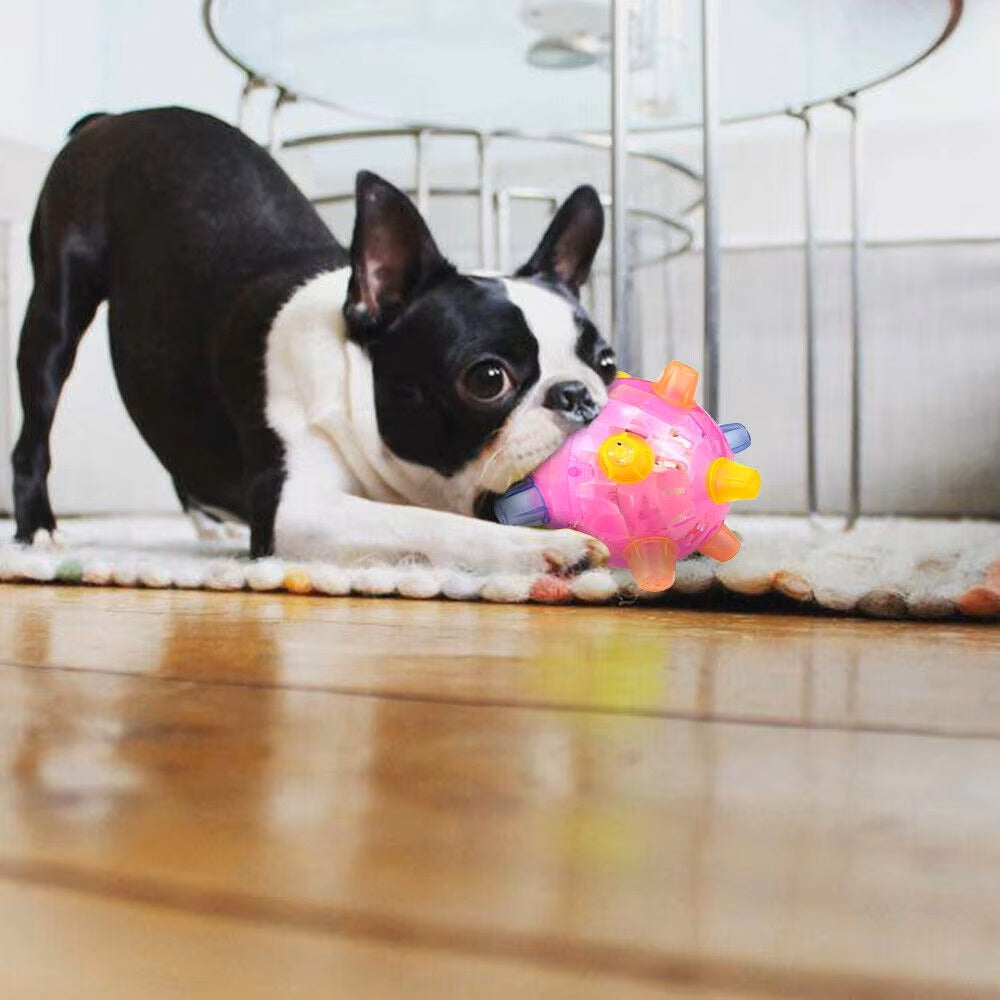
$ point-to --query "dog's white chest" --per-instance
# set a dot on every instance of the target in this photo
(320, 398)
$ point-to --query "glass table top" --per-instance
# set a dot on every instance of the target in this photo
(543, 65)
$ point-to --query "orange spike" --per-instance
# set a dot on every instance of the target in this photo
(722, 546)
(677, 385)
(652, 562)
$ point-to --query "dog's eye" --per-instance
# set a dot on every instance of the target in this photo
(607, 364)
(486, 381)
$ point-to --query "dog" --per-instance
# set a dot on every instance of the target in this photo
(343, 403)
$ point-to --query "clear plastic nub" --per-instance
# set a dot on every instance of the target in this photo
(737, 437)
(522, 505)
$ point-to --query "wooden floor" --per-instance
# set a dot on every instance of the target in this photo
(228, 796)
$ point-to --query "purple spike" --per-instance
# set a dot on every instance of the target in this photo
(737, 436)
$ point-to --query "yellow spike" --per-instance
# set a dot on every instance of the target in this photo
(625, 458)
(622, 375)
(728, 481)
(677, 385)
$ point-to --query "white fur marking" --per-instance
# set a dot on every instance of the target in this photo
(320, 402)
(532, 432)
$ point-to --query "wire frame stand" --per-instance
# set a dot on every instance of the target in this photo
(850, 105)
(713, 268)
(495, 204)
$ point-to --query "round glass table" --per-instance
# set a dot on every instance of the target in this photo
(545, 65)
(597, 72)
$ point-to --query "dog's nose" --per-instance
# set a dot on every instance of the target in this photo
(571, 399)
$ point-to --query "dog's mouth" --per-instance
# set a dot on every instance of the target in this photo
(483, 507)
(538, 436)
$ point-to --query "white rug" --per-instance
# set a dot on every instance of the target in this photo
(885, 567)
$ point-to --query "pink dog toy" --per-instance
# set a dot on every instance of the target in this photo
(653, 477)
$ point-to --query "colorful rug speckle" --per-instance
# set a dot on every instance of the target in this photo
(884, 567)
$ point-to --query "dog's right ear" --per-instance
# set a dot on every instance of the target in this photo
(569, 245)
(394, 258)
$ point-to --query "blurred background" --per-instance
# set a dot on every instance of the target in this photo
(931, 267)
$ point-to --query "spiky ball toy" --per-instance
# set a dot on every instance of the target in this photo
(653, 477)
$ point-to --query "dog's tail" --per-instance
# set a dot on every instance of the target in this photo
(85, 121)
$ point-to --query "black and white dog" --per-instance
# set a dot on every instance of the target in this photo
(342, 403)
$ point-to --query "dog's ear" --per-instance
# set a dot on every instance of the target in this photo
(567, 250)
(393, 256)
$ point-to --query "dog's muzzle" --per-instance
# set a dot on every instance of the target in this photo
(571, 400)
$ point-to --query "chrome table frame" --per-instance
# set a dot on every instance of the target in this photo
(713, 252)
(494, 210)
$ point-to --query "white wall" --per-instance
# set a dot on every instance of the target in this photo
(62, 59)
(930, 289)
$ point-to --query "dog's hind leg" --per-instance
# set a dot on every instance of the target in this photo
(207, 526)
(66, 295)
(210, 525)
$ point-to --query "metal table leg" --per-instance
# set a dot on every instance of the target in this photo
(712, 251)
(621, 334)
(503, 249)
(422, 180)
(282, 100)
(808, 188)
(850, 105)
(486, 259)
(250, 84)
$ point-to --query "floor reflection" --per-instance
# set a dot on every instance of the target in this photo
(100, 755)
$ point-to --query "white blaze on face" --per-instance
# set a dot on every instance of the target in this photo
(532, 432)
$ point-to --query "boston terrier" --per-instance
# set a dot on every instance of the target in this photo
(343, 403)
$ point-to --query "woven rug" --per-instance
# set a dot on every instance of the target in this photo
(884, 567)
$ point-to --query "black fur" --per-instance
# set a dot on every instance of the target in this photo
(196, 238)
(562, 264)
(419, 360)
(566, 253)
(424, 324)
(82, 123)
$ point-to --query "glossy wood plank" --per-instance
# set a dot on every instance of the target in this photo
(75, 946)
(780, 859)
(829, 673)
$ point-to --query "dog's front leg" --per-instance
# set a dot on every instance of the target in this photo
(352, 529)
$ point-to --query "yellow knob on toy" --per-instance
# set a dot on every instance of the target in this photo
(625, 458)
(729, 481)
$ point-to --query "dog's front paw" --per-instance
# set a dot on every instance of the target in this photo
(564, 551)
(573, 552)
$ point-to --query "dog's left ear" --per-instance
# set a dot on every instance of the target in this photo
(394, 258)
(567, 250)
